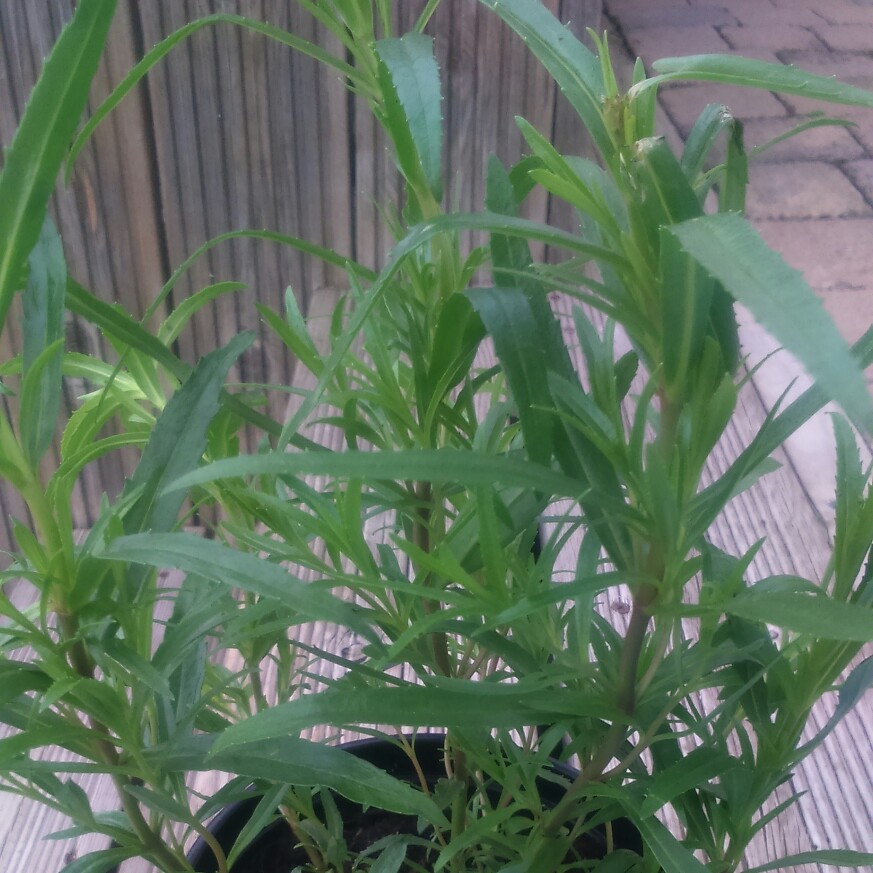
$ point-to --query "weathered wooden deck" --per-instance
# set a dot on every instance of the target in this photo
(791, 507)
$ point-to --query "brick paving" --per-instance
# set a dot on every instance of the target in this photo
(812, 196)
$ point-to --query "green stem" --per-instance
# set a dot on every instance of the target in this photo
(315, 857)
(459, 804)
(633, 647)
(421, 538)
(626, 700)
(107, 754)
(150, 839)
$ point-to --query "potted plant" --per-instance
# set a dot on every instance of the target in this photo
(447, 467)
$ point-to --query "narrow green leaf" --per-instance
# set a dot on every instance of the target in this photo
(165, 804)
(668, 195)
(439, 465)
(304, 763)
(732, 191)
(671, 854)
(686, 297)
(129, 82)
(185, 309)
(506, 225)
(456, 703)
(697, 768)
(459, 331)
(520, 346)
(749, 73)
(859, 681)
(571, 64)
(853, 511)
(100, 862)
(828, 857)
(117, 324)
(810, 124)
(510, 257)
(264, 813)
(19, 744)
(142, 671)
(47, 126)
(40, 399)
(820, 616)
(776, 429)
(413, 107)
(391, 859)
(177, 443)
(213, 560)
(713, 119)
(732, 251)
(411, 243)
(43, 324)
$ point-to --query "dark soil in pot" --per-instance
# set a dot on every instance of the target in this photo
(274, 851)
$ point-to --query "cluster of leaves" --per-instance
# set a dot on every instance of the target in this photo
(438, 529)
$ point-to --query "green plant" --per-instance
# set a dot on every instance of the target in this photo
(447, 466)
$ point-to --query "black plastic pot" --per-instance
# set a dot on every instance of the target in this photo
(275, 845)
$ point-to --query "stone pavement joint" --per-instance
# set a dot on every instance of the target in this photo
(768, 34)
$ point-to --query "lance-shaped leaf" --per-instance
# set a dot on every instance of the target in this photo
(248, 572)
(178, 440)
(819, 616)
(826, 857)
(43, 322)
(410, 82)
(732, 251)
(437, 465)
(301, 762)
(37, 151)
(510, 254)
(670, 853)
(686, 298)
(520, 341)
(750, 73)
(458, 703)
(115, 322)
(574, 67)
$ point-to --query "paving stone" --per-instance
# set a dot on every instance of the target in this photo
(844, 12)
(733, 5)
(662, 15)
(832, 11)
(846, 37)
(685, 103)
(776, 36)
(861, 174)
(802, 189)
(651, 43)
(816, 144)
(632, 13)
(863, 123)
(753, 14)
(834, 254)
(852, 310)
